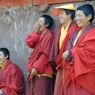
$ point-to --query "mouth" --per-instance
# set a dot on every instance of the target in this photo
(78, 22)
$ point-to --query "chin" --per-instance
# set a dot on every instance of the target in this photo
(0, 62)
(80, 25)
(62, 22)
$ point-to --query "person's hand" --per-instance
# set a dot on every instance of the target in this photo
(1, 92)
(65, 55)
(34, 72)
(36, 27)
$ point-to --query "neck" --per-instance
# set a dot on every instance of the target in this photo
(82, 28)
(67, 23)
(44, 30)
(2, 64)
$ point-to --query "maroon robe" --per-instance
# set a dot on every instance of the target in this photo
(55, 55)
(39, 59)
(12, 80)
(32, 39)
(80, 72)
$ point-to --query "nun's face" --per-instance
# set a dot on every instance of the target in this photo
(81, 19)
(2, 58)
(41, 21)
(63, 17)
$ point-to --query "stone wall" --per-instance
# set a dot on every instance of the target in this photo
(15, 24)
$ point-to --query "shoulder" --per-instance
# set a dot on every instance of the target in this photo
(14, 67)
(91, 32)
(49, 34)
(89, 36)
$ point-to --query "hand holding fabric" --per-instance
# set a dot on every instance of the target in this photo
(34, 72)
(65, 55)
(1, 92)
(36, 27)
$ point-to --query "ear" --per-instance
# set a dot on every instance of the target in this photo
(47, 25)
(69, 15)
(6, 57)
(89, 17)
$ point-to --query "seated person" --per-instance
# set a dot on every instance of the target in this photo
(11, 76)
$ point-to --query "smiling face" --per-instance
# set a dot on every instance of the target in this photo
(81, 19)
(3, 58)
(63, 17)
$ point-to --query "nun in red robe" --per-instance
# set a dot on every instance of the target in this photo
(62, 35)
(79, 59)
(11, 76)
(40, 71)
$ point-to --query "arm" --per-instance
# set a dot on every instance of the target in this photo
(32, 39)
(41, 63)
(52, 57)
(16, 83)
(84, 54)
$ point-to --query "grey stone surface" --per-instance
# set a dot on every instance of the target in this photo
(15, 24)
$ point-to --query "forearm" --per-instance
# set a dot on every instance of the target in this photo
(32, 39)
(41, 63)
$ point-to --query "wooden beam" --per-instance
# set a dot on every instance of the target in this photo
(38, 2)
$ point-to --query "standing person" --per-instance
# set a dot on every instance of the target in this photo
(62, 35)
(11, 77)
(40, 72)
(80, 69)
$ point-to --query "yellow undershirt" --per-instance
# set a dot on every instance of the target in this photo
(79, 33)
(63, 34)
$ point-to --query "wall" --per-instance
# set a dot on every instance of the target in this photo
(15, 24)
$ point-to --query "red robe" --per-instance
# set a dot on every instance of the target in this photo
(58, 90)
(80, 73)
(32, 39)
(12, 80)
(39, 57)
(72, 28)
